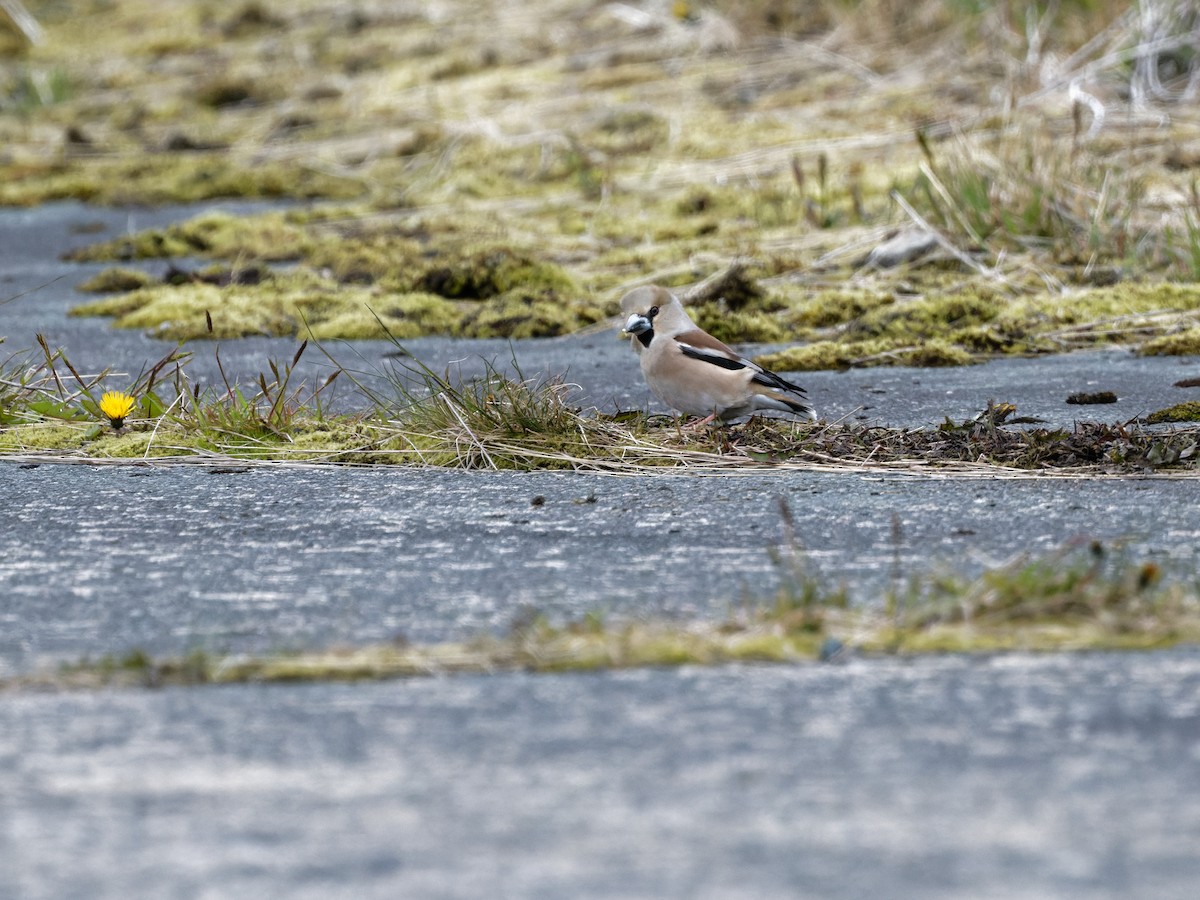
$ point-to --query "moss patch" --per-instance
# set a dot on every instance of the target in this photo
(852, 354)
(1183, 343)
(523, 313)
(302, 303)
(486, 273)
(137, 443)
(268, 236)
(1180, 412)
(49, 436)
(115, 279)
(168, 178)
(739, 327)
(277, 306)
(837, 307)
(869, 330)
(921, 319)
(402, 316)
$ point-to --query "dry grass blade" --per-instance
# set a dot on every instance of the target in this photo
(15, 13)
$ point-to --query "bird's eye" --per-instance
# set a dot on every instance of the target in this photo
(653, 312)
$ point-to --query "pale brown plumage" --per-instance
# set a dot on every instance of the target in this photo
(691, 371)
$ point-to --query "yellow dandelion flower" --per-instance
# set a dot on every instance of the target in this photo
(116, 406)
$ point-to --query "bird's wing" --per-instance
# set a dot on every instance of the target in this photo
(712, 356)
(703, 346)
(703, 341)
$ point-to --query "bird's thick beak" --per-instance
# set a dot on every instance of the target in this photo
(636, 324)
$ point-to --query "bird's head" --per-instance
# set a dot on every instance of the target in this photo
(642, 300)
(639, 323)
(642, 305)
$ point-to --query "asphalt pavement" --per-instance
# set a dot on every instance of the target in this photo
(1012, 776)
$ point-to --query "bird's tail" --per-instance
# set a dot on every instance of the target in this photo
(792, 405)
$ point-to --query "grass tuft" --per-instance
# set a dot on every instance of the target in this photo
(501, 419)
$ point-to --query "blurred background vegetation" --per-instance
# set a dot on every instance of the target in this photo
(1037, 150)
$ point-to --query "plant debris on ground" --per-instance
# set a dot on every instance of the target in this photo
(1085, 596)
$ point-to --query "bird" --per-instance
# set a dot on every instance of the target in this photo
(691, 371)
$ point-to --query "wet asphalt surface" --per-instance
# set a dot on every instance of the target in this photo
(1013, 777)
(105, 559)
(1009, 777)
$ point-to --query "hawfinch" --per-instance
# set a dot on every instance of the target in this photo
(694, 373)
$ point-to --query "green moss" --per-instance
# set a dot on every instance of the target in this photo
(481, 274)
(932, 354)
(746, 326)
(336, 440)
(626, 130)
(433, 255)
(41, 436)
(1027, 638)
(134, 444)
(300, 303)
(836, 307)
(1182, 343)
(277, 306)
(115, 279)
(916, 320)
(118, 305)
(876, 329)
(179, 312)
(354, 258)
(168, 178)
(1099, 304)
(270, 236)
(403, 316)
(1188, 411)
(417, 280)
(821, 355)
(523, 313)
(429, 253)
(768, 647)
(988, 339)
